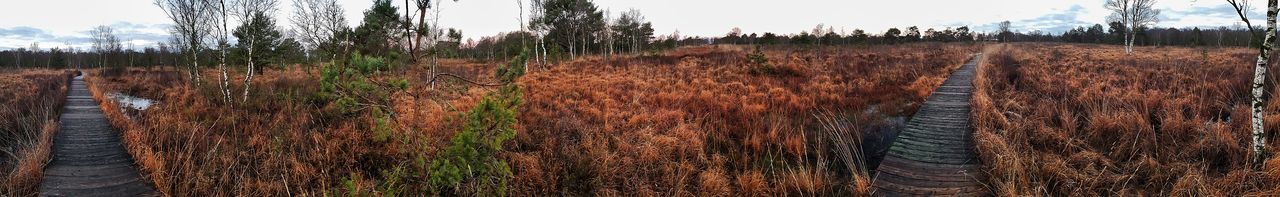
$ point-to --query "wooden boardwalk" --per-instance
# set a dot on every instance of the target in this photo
(934, 156)
(88, 157)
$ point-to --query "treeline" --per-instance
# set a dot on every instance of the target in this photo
(161, 55)
(824, 35)
(283, 52)
(1113, 33)
(566, 29)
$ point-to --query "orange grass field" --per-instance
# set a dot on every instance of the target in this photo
(693, 121)
(1087, 120)
(30, 101)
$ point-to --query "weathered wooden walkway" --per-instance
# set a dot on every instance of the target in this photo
(934, 156)
(88, 157)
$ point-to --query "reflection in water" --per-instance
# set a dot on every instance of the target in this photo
(131, 102)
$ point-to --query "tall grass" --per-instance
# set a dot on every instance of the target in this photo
(693, 121)
(278, 143)
(30, 102)
(653, 124)
(1088, 120)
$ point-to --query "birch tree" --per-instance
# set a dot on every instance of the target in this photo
(317, 23)
(190, 28)
(105, 43)
(1259, 73)
(35, 53)
(539, 30)
(256, 32)
(633, 32)
(221, 17)
(1134, 15)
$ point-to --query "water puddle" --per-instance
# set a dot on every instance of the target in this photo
(131, 102)
(879, 135)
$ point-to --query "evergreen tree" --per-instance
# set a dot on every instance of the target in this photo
(891, 36)
(912, 34)
(261, 34)
(289, 51)
(572, 24)
(381, 26)
(1094, 34)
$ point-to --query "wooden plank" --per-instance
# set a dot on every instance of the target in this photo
(88, 158)
(934, 154)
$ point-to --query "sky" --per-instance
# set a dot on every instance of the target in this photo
(63, 23)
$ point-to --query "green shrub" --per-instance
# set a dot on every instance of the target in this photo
(344, 105)
(471, 155)
(471, 158)
(759, 63)
(368, 64)
(390, 185)
(329, 74)
(352, 86)
(381, 125)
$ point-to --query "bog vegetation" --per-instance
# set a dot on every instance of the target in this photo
(691, 121)
(30, 102)
(1086, 119)
(581, 101)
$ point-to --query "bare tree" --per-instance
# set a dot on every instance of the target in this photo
(190, 28)
(433, 34)
(35, 53)
(105, 43)
(520, 4)
(1006, 32)
(245, 10)
(130, 52)
(317, 22)
(1134, 14)
(636, 34)
(606, 34)
(414, 32)
(537, 11)
(221, 7)
(1259, 73)
(18, 56)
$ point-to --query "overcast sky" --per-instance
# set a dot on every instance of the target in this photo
(59, 23)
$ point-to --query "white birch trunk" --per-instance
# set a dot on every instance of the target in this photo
(248, 79)
(222, 62)
(1259, 77)
(1128, 41)
(195, 66)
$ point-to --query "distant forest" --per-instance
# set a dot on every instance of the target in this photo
(558, 33)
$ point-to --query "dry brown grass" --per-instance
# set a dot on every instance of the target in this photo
(675, 123)
(276, 144)
(693, 121)
(30, 102)
(1088, 120)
